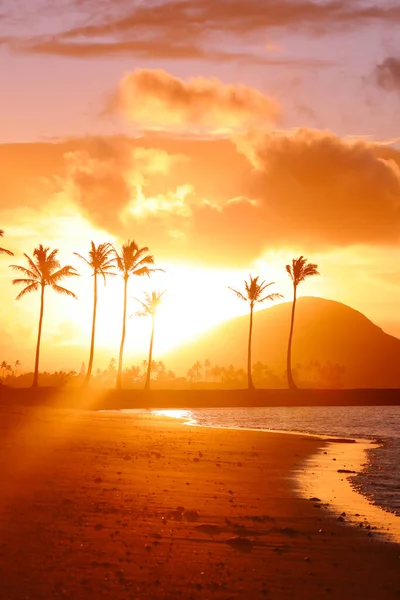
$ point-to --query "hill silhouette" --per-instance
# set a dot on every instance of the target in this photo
(325, 332)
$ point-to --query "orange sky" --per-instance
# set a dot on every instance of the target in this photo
(218, 156)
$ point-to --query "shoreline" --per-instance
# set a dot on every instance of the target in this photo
(137, 506)
(317, 479)
(337, 494)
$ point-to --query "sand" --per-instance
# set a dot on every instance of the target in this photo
(100, 505)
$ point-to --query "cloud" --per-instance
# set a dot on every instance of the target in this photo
(152, 29)
(324, 190)
(216, 201)
(387, 74)
(236, 16)
(150, 49)
(156, 99)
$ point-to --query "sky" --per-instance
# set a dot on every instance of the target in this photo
(228, 136)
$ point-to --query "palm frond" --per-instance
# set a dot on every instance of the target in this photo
(25, 271)
(82, 258)
(300, 270)
(146, 308)
(271, 297)
(264, 286)
(63, 291)
(238, 294)
(66, 271)
(5, 251)
(146, 271)
(28, 290)
(32, 265)
(24, 281)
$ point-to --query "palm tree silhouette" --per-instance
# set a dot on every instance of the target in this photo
(254, 295)
(149, 309)
(4, 250)
(16, 365)
(44, 270)
(3, 367)
(132, 261)
(190, 374)
(298, 271)
(197, 369)
(207, 365)
(100, 260)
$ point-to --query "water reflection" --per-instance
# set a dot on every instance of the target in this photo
(175, 413)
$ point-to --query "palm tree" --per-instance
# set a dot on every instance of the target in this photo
(3, 367)
(149, 309)
(131, 261)
(207, 365)
(197, 369)
(254, 295)
(298, 271)
(190, 374)
(44, 270)
(16, 365)
(100, 260)
(4, 250)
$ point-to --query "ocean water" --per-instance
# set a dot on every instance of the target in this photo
(380, 479)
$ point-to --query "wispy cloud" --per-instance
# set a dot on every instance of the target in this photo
(190, 28)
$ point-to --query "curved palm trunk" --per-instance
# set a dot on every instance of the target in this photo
(121, 348)
(148, 376)
(36, 372)
(90, 365)
(250, 384)
(291, 383)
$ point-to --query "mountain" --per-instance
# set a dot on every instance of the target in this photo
(325, 332)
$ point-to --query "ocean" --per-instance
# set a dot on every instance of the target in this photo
(379, 481)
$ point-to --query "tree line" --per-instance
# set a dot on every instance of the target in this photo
(44, 270)
(312, 374)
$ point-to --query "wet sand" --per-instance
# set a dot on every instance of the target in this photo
(110, 505)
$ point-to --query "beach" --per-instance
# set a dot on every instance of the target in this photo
(115, 505)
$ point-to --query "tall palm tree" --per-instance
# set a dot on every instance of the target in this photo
(131, 261)
(4, 250)
(149, 309)
(254, 295)
(298, 271)
(101, 260)
(44, 270)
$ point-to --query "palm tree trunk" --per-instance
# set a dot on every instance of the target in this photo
(121, 348)
(250, 384)
(90, 365)
(291, 383)
(147, 384)
(36, 372)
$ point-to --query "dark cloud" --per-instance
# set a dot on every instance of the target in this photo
(387, 74)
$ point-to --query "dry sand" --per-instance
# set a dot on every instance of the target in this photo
(89, 509)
